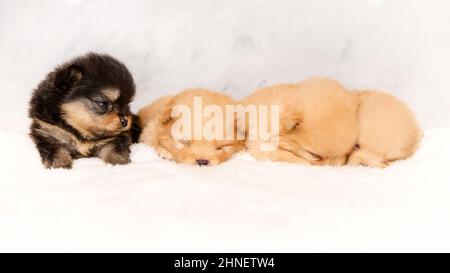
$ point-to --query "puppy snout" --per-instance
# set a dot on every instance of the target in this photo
(124, 121)
(202, 162)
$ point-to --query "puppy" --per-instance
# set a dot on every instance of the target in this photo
(158, 121)
(388, 130)
(317, 122)
(81, 109)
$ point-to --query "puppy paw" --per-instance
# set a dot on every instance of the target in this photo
(163, 153)
(111, 156)
(367, 159)
(117, 159)
(61, 159)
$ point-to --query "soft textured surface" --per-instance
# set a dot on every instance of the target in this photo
(242, 205)
(232, 46)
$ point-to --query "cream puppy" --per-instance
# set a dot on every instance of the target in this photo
(388, 130)
(159, 118)
(317, 122)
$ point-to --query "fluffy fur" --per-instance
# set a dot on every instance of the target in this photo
(81, 109)
(157, 123)
(388, 130)
(318, 123)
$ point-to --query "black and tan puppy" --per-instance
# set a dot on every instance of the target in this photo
(81, 109)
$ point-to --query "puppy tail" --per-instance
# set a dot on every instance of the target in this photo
(136, 128)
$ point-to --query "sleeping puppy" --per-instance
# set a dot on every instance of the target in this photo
(160, 118)
(387, 130)
(317, 122)
(81, 109)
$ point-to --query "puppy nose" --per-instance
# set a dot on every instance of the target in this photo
(124, 121)
(202, 162)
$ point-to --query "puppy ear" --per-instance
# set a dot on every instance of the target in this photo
(68, 77)
(240, 128)
(291, 120)
(166, 115)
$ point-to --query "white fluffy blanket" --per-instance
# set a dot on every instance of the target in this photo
(242, 205)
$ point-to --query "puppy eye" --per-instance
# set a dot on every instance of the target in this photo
(315, 156)
(186, 143)
(224, 147)
(103, 105)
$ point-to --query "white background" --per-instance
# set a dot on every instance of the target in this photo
(400, 46)
(243, 204)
